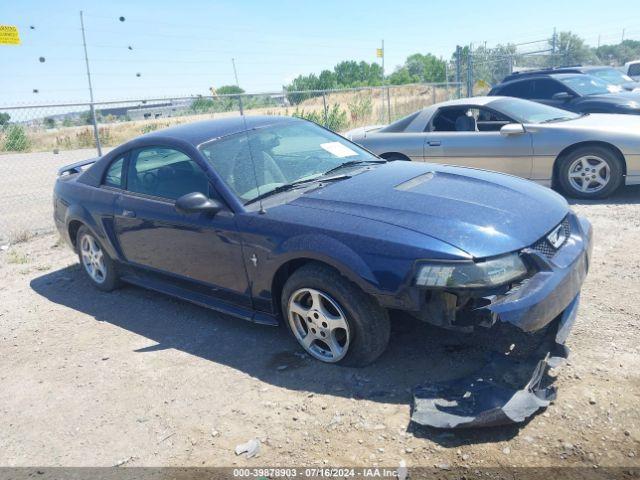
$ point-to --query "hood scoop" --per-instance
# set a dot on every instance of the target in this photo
(414, 182)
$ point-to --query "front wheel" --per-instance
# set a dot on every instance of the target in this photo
(590, 172)
(332, 319)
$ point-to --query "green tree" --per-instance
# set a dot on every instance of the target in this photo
(571, 50)
(427, 68)
(229, 90)
(618, 54)
(4, 118)
(49, 122)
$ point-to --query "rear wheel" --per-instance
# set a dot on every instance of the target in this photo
(96, 263)
(590, 172)
(332, 319)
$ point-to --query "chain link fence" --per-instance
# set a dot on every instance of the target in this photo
(36, 140)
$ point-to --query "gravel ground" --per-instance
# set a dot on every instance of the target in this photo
(138, 379)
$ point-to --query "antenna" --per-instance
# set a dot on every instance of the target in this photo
(262, 211)
(91, 107)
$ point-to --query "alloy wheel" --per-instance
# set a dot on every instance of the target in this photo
(93, 259)
(319, 324)
(589, 174)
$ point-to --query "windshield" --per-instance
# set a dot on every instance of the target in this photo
(589, 85)
(611, 75)
(524, 111)
(262, 160)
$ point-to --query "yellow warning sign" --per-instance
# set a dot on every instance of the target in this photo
(379, 53)
(9, 35)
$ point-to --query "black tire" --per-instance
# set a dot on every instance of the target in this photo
(368, 323)
(600, 153)
(394, 157)
(110, 279)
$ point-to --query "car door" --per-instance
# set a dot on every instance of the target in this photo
(487, 149)
(197, 248)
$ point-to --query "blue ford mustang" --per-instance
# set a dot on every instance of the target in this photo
(270, 218)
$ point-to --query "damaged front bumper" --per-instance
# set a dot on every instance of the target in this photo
(526, 327)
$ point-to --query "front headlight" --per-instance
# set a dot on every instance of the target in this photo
(488, 273)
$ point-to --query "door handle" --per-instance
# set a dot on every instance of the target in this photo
(434, 143)
(128, 213)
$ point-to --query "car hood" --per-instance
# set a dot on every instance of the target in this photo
(602, 122)
(361, 132)
(482, 213)
(619, 98)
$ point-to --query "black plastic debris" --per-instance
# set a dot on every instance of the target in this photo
(508, 389)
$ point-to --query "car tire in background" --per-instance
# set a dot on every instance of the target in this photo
(590, 172)
(99, 268)
(332, 318)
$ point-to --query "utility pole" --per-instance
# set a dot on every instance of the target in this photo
(91, 107)
(623, 30)
(235, 74)
(553, 48)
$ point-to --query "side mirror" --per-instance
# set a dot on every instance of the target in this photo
(512, 129)
(196, 202)
(562, 96)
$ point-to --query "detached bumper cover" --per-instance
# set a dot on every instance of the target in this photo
(537, 317)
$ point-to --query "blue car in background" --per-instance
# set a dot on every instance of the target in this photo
(276, 219)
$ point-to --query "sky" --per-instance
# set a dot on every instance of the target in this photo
(184, 47)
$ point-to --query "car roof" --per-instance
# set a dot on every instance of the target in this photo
(552, 72)
(479, 101)
(199, 132)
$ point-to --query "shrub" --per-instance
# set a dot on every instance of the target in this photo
(336, 117)
(16, 139)
(360, 108)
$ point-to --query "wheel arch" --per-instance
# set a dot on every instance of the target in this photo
(589, 143)
(291, 265)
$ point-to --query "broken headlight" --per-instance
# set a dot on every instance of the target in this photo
(487, 273)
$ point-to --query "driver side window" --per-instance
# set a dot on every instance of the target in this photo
(165, 173)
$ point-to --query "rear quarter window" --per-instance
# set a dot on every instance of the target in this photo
(113, 176)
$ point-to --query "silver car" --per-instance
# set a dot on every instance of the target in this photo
(587, 155)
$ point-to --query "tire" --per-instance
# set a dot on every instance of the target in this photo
(319, 304)
(582, 173)
(394, 157)
(96, 264)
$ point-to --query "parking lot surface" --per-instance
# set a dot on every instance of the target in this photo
(138, 379)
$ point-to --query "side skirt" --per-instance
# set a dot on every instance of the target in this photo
(170, 288)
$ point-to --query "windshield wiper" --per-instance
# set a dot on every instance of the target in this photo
(351, 164)
(292, 185)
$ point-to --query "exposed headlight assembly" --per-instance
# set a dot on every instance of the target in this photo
(488, 273)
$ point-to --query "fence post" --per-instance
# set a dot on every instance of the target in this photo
(459, 70)
(388, 105)
(433, 94)
(470, 72)
(324, 108)
(96, 133)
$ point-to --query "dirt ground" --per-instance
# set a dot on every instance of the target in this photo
(138, 379)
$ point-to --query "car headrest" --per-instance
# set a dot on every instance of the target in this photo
(465, 123)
